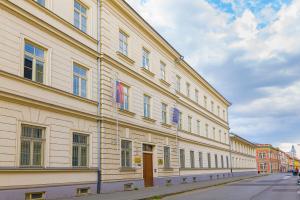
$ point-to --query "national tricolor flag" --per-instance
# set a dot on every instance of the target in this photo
(119, 93)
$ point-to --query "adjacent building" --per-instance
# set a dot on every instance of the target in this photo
(267, 158)
(63, 64)
(243, 155)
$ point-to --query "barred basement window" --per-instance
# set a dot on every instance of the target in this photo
(80, 150)
(82, 191)
(126, 153)
(35, 196)
(167, 157)
(32, 146)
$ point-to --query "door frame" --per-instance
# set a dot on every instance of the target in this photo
(149, 152)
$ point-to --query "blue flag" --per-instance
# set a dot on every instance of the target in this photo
(175, 118)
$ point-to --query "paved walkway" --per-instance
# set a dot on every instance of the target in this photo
(148, 193)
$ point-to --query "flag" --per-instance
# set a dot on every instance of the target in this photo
(119, 93)
(175, 117)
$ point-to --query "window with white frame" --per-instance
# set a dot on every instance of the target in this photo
(222, 161)
(200, 160)
(126, 153)
(32, 146)
(206, 130)
(188, 89)
(196, 95)
(178, 83)
(198, 127)
(218, 110)
(123, 43)
(205, 102)
(146, 59)
(220, 135)
(34, 62)
(180, 121)
(182, 158)
(147, 106)
(214, 133)
(224, 114)
(41, 2)
(262, 155)
(79, 80)
(167, 157)
(212, 106)
(164, 113)
(262, 166)
(80, 150)
(163, 71)
(208, 160)
(190, 124)
(80, 16)
(192, 159)
(125, 104)
(216, 161)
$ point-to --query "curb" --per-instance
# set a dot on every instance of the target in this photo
(201, 187)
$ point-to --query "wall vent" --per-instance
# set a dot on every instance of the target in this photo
(128, 187)
(35, 196)
(82, 191)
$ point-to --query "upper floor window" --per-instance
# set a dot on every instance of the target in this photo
(198, 126)
(41, 2)
(125, 104)
(146, 106)
(218, 110)
(190, 124)
(167, 157)
(163, 71)
(32, 146)
(196, 95)
(146, 60)
(262, 155)
(205, 102)
(206, 130)
(80, 150)
(79, 81)
(188, 89)
(126, 153)
(34, 63)
(214, 133)
(178, 80)
(224, 114)
(212, 106)
(123, 43)
(164, 113)
(220, 135)
(225, 137)
(80, 16)
(180, 121)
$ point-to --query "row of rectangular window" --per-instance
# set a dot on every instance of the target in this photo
(33, 147)
(200, 156)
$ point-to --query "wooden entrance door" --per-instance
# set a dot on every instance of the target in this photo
(148, 169)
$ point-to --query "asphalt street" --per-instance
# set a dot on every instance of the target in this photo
(273, 187)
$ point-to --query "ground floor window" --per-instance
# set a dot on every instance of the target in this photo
(182, 158)
(80, 150)
(167, 157)
(32, 146)
(126, 153)
(192, 158)
(208, 160)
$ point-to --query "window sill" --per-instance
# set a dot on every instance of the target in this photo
(125, 58)
(127, 112)
(165, 82)
(166, 125)
(148, 72)
(147, 119)
(168, 169)
(127, 169)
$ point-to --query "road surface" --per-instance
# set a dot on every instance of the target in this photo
(273, 187)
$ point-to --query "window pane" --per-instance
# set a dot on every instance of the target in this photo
(76, 19)
(83, 23)
(75, 156)
(26, 132)
(83, 88)
(39, 52)
(28, 67)
(83, 10)
(41, 2)
(39, 72)
(83, 156)
(37, 133)
(29, 48)
(76, 5)
(37, 154)
(25, 153)
(75, 85)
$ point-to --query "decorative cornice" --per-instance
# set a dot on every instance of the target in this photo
(165, 82)
(148, 72)
(125, 58)
(148, 119)
(126, 112)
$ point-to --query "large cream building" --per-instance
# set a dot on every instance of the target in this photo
(58, 61)
(243, 155)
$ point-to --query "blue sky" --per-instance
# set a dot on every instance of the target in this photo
(249, 50)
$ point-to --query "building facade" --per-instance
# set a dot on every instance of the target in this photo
(267, 158)
(62, 133)
(48, 98)
(243, 155)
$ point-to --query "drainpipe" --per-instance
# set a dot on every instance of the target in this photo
(99, 93)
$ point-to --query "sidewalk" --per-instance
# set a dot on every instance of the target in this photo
(147, 193)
